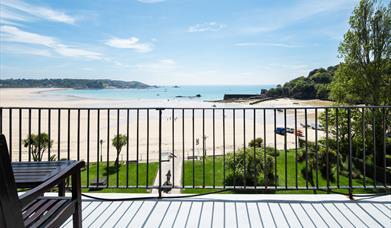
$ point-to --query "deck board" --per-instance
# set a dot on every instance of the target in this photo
(238, 211)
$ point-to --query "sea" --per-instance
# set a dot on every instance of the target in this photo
(196, 93)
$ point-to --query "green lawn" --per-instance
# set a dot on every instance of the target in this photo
(322, 182)
(213, 176)
(112, 174)
(198, 172)
(291, 175)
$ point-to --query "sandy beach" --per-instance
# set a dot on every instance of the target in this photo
(144, 142)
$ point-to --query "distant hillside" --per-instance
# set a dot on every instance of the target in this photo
(71, 83)
(314, 86)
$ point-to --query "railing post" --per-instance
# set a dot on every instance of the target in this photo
(20, 134)
(10, 134)
(350, 154)
(1, 120)
(160, 152)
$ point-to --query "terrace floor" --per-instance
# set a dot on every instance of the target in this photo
(239, 210)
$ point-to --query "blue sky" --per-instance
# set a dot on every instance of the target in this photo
(166, 42)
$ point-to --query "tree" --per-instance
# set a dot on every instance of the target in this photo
(118, 142)
(322, 91)
(321, 78)
(314, 86)
(365, 75)
(39, 144)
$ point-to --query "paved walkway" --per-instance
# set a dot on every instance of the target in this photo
(166, 166)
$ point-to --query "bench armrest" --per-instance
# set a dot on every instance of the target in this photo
(39, 190)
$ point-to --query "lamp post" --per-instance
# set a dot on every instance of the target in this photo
(204, 143)
(99, 182)
(101, 149)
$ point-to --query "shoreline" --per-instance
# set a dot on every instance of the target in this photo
(42, 97)
(44, 90)
(37, 98)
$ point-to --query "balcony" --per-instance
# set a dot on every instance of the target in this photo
(239, 210)
(168, 153)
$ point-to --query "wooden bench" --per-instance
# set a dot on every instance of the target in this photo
(32, 209)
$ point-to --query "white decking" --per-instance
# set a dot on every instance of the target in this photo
(225, 210)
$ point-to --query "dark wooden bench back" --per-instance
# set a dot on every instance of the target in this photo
(10, 208)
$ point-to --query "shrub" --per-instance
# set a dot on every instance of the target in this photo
(258, 143)
(322, 164)
(300, 155)
(242, 169)
(319, 160)
(272, 152)
(301, 142)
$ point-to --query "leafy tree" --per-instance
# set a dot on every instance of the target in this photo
(275, 92)
(301, 88)
(322, 91)
(317, 71)
(118, 142)
(362, 132)
(365, 75)
(321, 78)
(314, 86)
(39, 144)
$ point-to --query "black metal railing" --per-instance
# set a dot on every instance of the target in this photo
(336, 147)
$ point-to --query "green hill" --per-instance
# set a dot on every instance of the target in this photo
(71, 83)
(314, 86)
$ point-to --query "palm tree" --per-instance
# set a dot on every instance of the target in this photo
(39, 144)
(118, 142)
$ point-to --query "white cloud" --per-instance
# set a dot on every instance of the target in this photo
(150, 1)
(14, 34)
(8, 22)
(130, 43)
(206, 27)
(20, 11)
(266, 44)
(11, 14)
(76, 52)
(14, 49)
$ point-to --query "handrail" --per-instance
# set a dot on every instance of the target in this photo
(211, 144)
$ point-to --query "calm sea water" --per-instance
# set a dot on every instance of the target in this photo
(166, 92)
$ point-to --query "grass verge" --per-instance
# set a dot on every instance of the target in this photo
(110, 173)
(213, 175)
